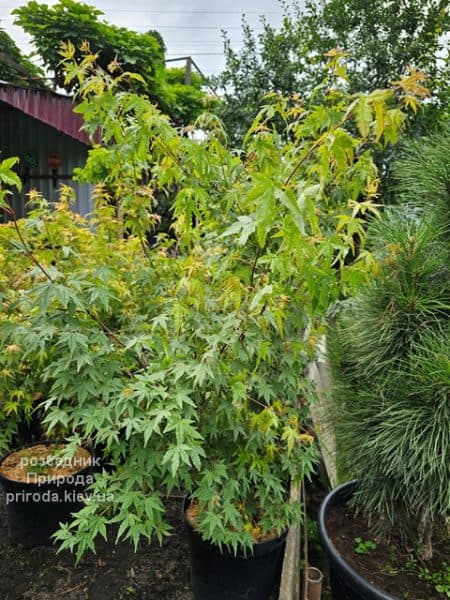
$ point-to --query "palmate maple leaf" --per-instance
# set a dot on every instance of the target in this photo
(412, 87)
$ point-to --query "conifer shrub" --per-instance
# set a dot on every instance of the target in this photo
(389, 355)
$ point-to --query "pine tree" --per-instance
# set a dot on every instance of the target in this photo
(389, 355)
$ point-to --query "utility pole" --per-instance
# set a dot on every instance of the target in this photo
(188, 74)
(190, 63)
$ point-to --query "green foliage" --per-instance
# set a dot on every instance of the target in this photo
(364, 547)
(186, 101)
(18, 388)
(14, 67)
(423, 173)
(382, 40)
(440, 579)
(184, 359)
(8, 178)
(388, 37)
(314, 545)
(81, 24)
(75, 21)
(390, 365)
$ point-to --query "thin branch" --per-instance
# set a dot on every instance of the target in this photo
(258, 402)
(30, 254)
(313, 147)
(302, 160)
(143, 246)
(252, 276)
(27, 249)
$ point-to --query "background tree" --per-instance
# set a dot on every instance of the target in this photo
(14, 67)
(382, 38)
(185, 100)
(143, 53)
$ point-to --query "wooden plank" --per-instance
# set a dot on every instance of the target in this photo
(290, 575)
(319, 373)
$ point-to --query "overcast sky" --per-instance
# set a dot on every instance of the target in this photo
(188, 28)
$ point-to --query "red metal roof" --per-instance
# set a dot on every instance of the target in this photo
(50, 108)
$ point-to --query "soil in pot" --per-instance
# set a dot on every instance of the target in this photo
(387, 565)
(223, 576)
(38, 461)
(42, 489)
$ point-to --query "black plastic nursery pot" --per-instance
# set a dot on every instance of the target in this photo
(35, 509)
(217, 575)
(346, 583)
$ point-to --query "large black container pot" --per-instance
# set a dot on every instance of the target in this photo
(346, 583)
(220, 575)
(35, 510)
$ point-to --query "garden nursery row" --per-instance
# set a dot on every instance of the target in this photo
(230, 379)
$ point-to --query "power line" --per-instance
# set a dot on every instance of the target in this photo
(22, 41)
(191, 27)
(195, 12)
(211, 27)
(201, 54)
(169, 45)
(204, 42)
(182, 12)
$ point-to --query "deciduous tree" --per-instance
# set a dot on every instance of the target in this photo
(382, 39)
(14, 66)
(143, 53)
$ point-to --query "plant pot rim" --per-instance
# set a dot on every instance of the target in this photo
(358, 582)
(259, 548)
(314, 571)
(50, 481)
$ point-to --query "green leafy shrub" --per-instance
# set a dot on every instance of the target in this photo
(184, 359)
